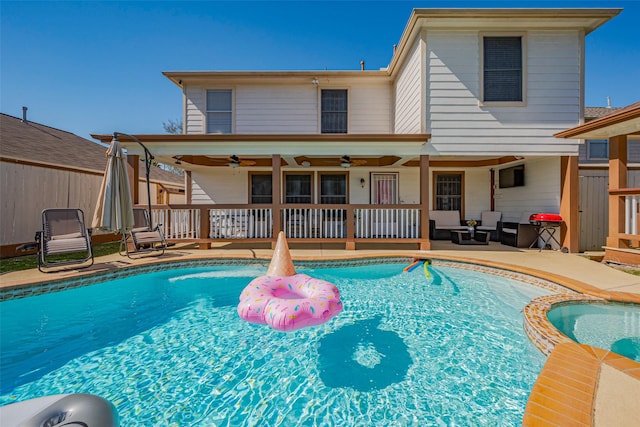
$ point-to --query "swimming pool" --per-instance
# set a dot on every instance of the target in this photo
(168, 348)
(612, 326)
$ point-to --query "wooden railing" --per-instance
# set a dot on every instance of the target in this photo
(626, 224)
(298, 221)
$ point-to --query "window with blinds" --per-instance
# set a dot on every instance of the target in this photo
(333, 188)
(333, 111)
(297, 188)
(502, 74)
(597, 149)
(261, 188)
(219, 111)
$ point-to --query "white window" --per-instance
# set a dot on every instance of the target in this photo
(333, 111)
(598, 149)
(384, 188)
(219, 111)
(502, 69)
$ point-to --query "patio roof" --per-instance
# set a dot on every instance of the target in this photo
(625, 121)
(268, 144)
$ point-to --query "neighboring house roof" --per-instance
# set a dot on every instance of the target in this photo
(624, 121)
(33, 142)
(591, 113)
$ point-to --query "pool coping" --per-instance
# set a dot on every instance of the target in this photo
(545, 399)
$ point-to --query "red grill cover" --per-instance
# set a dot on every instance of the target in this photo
(545, 217)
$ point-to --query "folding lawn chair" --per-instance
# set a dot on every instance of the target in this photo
(63, 232)
(142, 238)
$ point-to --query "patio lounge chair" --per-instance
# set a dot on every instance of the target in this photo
(520, 234)
(142, 239)
(442, 223)
(63, 232)
(490, 222)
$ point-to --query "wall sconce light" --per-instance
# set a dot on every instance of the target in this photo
(362, 182)
(315, 81)
(305, 164)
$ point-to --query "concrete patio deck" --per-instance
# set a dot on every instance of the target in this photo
(552, 264)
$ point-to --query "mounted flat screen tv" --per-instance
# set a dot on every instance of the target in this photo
(511, 177)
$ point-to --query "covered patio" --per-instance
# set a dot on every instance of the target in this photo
(351, 220)
(623, 239)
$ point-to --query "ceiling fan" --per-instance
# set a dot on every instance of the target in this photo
(346, 162)
(234, 162)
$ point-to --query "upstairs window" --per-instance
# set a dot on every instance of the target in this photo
(219, 111)
(502, 69)
(334, 111)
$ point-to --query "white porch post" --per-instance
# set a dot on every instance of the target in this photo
(276, 198)
(425, 244)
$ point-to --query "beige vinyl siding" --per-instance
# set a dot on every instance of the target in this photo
(294, 109)
(194, 104)
(407, 93)
(541, 192)
(220, 185)
(198, 195)
(459, 124)
(370, 108)
(54, 188)
(276, 109)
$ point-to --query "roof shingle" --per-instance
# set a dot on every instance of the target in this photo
(34, 142)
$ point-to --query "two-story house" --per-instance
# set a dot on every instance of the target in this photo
(462, 119)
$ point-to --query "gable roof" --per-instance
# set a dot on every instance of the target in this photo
(33, 142)
(624, 121)
(591, 113)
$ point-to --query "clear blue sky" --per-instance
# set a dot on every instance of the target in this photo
(95, 67)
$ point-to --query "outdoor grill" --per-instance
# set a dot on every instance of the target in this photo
(546, 225)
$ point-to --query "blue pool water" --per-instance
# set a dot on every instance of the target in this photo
(168, 348)
(615, 327)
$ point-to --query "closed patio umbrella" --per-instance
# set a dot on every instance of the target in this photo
(114, 209)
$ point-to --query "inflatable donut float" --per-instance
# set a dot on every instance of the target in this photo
(287, 301)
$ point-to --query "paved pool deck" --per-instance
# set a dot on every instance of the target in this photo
(571, 268)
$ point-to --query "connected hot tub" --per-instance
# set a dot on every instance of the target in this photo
(611, 326)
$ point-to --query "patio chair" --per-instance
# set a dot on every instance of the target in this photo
(520, 234)
(490, 222)
(63, 232)
(142, 239)
(442, 223)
